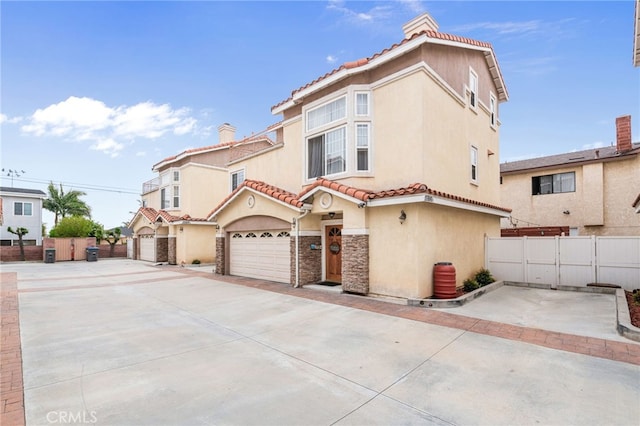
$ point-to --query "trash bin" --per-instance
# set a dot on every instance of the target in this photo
(49, 255)
(92, 254)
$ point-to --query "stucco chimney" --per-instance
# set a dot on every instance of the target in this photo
(623, 133)
(226, 133)
(420, 23)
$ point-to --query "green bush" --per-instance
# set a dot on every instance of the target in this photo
(636, 296)
(195, 262)
(470, 284)
(483, 277)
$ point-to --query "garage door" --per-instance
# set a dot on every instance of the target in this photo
(147, 247)
(261, 254)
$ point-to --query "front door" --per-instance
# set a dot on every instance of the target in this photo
(333, 253)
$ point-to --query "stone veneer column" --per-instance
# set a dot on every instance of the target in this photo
(162, 249)
(310, 260)
(135, 248)
(220, 260)
(172, 250)
(355, 263)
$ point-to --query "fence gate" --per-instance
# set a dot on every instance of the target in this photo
(567, 261)
(70, 248)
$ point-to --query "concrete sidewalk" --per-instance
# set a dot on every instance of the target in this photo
(120, 342)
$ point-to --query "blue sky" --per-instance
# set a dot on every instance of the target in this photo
(94, 93)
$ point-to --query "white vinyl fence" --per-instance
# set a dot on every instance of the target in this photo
(565, 261)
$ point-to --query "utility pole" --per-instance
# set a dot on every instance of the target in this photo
(13, 173)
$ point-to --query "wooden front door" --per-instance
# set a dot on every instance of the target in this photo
(333, 253)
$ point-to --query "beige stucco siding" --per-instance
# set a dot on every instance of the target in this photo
(402, 255)
(201, 189)
(621, 186)
(593, 194)
(261, 205)
(195, 242)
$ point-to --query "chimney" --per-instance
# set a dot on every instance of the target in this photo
(226, 133)
(623, 133)
(420, 23)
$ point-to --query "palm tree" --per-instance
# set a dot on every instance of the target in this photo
(65, 204)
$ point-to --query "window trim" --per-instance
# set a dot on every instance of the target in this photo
(474, 170)
(355, 103)
(358, 147)
(552, 176)
(235, 173)
(345, 151)
(473, 88)
(175, 189)
(22, 209)
(493, 110)
(328, 123)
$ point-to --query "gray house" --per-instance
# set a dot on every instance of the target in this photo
(21, 208)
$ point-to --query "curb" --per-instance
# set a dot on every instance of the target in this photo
(458, 301)
(623, 318)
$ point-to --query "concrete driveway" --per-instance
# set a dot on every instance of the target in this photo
(119, 342)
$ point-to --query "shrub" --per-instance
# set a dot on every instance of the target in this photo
(470, 284)
(636, 296)
(483, 277)
(195, 262)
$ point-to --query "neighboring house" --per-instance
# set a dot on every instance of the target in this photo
(384, 167)
(171, 225)
(588, 191)
(21, 208)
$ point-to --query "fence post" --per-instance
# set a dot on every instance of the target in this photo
(525, 259)
(557, 262)
(595, 272)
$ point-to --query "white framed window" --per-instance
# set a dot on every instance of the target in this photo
(473, 88)
(553, 184)
(165, 203)
(176, 175)
(474, 163)
(362, 104)
(327, 153)
(237, 178)
(22, 209)
(327, 113)
(176, 196)
(362, 146)
(492, 108)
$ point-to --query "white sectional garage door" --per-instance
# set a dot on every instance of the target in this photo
(261, 254)
(147, 247)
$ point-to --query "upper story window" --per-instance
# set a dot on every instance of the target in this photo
(176, 196)
(327, 153)
(237, 178)
(170, 189)
(474, 164)
(473, 88)
(327, 113)
(22, 209)
(492, 108)
(176, 176)
(362, 147)
(553, 184)
(165, 203)
(362, 103)
(335, 142)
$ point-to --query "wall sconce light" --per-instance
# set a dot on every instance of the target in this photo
(217, 227)
(566, 212)
(181, 229)
(403, 217)
(331, 215)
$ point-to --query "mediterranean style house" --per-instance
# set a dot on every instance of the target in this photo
(21, 208)
(591, 192)
(378, 170)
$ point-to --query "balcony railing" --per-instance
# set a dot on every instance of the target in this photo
(151, 185)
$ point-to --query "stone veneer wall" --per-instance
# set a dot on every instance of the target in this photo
(310, 260)
(172, 250)
(355, 263)
(135, 248)
(220, 260)
(162, 249)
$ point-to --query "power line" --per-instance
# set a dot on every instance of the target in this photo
(81, 186)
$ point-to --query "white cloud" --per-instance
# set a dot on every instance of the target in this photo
(86, 119)
(372, 15)
(331, 59)
(544, 30)
(594, 145)
(3, 118)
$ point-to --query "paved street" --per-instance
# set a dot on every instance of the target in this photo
(120, 342)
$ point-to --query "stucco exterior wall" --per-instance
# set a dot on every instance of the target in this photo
(33, 223)
(402, 255)
(201, 189)
(196, 242)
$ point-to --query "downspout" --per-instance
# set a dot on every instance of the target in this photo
(296, 221)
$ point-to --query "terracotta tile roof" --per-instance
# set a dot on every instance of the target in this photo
(493, 65)
(568, 158)
(416, 188)
(270, 190)
(149, 212)
(152, 215)
(261, 136)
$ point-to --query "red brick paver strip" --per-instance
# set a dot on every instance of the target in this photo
(11, 385)
(601, 348)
